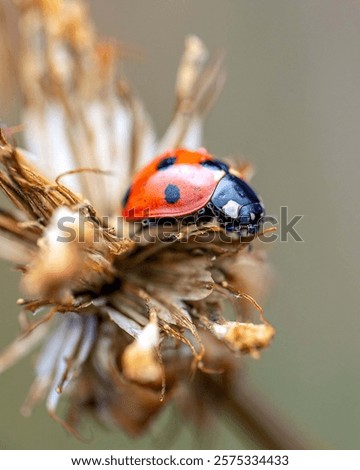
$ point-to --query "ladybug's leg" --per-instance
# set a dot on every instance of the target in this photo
(205, 214)
(202, 216)
(163, 225)
(189, 219)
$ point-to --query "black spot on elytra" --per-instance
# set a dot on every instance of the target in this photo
(126, 197)
(172, 193)
(166, 162)
(215, 165)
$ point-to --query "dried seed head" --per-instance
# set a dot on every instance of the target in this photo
(131, 316)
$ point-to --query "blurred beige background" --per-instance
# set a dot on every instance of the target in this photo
(291, 105)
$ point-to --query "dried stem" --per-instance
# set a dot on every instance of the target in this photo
(262, 424)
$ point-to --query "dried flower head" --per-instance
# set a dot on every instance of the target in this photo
(127, 319)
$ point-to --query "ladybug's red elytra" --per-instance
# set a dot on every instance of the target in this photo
(190, 185)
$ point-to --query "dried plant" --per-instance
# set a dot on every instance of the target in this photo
(126, 324)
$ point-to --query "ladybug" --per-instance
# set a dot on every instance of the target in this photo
(194, 187)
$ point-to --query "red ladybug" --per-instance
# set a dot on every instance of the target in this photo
(193, 186)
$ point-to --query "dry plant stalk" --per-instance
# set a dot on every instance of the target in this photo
(125, 324)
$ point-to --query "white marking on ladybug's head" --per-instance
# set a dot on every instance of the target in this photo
(252, 216)
(231, 209)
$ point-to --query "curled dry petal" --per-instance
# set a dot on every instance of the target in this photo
(140, 361)
(57, 265)
(245, 337)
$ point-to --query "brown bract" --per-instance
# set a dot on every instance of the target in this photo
(127, 317)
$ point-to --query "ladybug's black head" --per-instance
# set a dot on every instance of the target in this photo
(237, 206)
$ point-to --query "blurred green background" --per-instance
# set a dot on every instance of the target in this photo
(291, 106)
